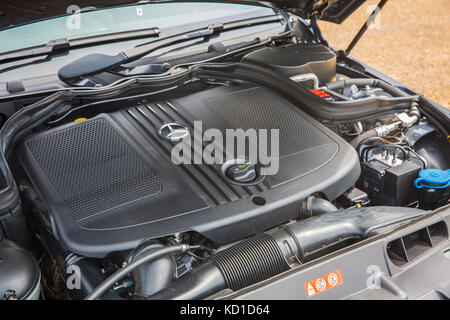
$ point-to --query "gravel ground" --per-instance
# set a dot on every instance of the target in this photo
(411, 45)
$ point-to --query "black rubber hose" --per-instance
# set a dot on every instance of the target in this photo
(251, 261)
(363, 136)
(165, 268)
(315, 236)
(149, 257)
(90, 275)
(336, 112)
(239, 266)
(198, 283)
(313, 206)
(268, 254)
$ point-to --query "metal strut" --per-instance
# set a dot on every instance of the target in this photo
(365, 26)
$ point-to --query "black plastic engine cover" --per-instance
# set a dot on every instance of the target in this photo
(109, 181)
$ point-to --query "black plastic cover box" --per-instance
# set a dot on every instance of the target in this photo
(297, 58)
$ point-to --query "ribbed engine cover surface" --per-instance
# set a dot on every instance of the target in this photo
(109, 181)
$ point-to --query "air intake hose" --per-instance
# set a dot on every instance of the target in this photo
(270, 253)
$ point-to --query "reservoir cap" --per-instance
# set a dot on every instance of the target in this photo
(433, 178)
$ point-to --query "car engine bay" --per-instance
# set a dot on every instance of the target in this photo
(88, 172)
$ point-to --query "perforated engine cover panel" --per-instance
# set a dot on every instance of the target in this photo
(109, 181)
(259, 108)
(93, 168)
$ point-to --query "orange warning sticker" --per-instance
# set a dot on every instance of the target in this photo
(323, 283)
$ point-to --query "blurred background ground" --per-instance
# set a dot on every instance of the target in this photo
(411, 45)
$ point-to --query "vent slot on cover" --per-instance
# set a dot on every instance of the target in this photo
(410, 247)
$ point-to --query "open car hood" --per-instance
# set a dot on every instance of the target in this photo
(13, 12)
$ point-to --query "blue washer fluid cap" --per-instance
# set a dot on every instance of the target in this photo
(433, 178)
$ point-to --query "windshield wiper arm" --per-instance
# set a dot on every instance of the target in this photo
(61, 45)
(97, 62)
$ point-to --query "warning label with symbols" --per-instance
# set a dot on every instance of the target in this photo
(323, 283)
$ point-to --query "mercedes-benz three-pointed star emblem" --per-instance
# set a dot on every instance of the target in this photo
(173, 131)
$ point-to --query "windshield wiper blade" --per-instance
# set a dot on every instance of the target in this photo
(97, 62)
(115, 36)
(63, 44)
(50, 48)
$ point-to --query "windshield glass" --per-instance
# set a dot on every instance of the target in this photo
(104, 21)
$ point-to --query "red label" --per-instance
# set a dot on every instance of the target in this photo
(323, 283)
(320, 93)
